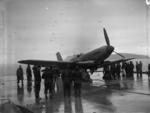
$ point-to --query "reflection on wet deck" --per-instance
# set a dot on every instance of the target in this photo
(126, 95)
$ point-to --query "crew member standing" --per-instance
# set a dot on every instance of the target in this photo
(107, 73)
(48, 82)
(56, 75)
(19, 74)
(118, 68)
(29, 74)
(66, 78)
(148, 71)
(37, 81)
(131, 68)
(113, 71)
(137, 68)
(77, 81)
(140, 68)
(123, 69)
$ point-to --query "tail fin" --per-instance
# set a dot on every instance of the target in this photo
(59, 58)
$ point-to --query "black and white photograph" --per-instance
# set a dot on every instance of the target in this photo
(74, 56)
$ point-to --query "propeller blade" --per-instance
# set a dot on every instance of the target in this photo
(106, 37)
(120, 54)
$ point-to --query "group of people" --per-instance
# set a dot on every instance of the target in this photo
(20, 73)
(128, 69)
(113, 71)
(50, 76)
(71, 76)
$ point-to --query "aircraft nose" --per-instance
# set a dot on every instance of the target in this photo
(111, 48)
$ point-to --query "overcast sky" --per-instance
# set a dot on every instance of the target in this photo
(37, 29)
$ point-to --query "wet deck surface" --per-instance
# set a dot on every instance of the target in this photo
(121, 96)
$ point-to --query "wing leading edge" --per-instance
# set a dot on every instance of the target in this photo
(62, 64)
(44, 63)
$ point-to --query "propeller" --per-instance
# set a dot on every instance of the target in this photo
(106, 37)
(108, 43)
(119, 54)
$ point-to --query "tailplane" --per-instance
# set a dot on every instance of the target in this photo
(59, 58)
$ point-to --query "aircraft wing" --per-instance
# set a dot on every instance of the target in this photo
(115, 62)
(44, 63)
(92, 63)
(47, 63)
(93, 66)
(61, 64)
(127, 55)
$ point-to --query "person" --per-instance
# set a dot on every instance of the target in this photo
(131, 65)
(29, 79)
(123, 69)
(118, 68)
(137, 68)
(148, 71)
(29, 73)
(48, 82)
(66, 78)
(19, 74)
(85, 76)
(56, 75)
(106, 72)
(140, 68)
(77, 81)
(113, 71)
(127, 69)
(37, 81)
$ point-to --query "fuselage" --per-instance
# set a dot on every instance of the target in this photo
(97, 55)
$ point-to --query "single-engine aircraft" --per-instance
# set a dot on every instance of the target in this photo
(92, 60)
